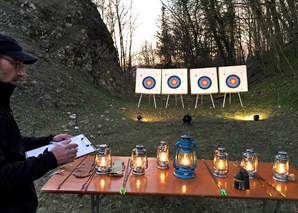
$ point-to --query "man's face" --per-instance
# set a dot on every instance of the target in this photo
(11, 70)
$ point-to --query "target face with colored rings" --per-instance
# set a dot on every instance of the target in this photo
(233, 81)
(174, 82)
(204, 82)
(149, 82)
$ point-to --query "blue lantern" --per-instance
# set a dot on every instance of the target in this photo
(185, 160)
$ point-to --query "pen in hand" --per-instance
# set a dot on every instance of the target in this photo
(55, 143)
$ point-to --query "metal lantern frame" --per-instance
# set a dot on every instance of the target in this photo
(221, 162)
(139, 160)
(103, 159)
(163, 155)
(280, 168)
(250, 162)
(185, 150)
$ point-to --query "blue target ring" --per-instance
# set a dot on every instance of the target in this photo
(204, 82)
(233, 81)
(149, 82)
(174, 82)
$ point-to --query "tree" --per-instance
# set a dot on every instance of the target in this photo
(121, 22)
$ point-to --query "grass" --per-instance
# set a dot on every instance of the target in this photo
(102, 121)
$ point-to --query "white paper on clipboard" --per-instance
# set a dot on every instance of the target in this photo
(84, 147)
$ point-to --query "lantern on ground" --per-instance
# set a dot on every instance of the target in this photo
(139, 161)
(250, 162)
(185, 160)
(221, 162)
(281, 167)
(103, 159)
(163, 155)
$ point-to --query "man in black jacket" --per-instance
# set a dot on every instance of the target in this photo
(17, 192)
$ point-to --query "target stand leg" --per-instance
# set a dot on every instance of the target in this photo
(167, 101)
(140, 100)
(202, 99)
(197, 101)
(224, 101)
(230, 98)
(240, 99)
(154, 101)
(182, 101)
(212, 100)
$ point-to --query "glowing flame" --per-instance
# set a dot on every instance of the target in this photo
(139, 162)
(185, 161)
(249, 166)
(281, 168)
(163, 157)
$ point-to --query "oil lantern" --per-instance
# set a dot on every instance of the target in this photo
(139, 161)
(103, 159)
(221, 162)
(281, 167)
(185, 160)
(163, 155)
(250, 162)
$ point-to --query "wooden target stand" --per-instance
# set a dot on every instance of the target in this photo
(202, 100)
(175, 100)
(149, 100)
(230, 99)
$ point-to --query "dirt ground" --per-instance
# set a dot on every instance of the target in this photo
(267, 136)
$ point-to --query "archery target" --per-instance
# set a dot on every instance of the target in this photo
(148, 81)
(233, 79)
(174, 81)
(203, 80)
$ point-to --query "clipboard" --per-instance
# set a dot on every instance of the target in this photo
(84, 147)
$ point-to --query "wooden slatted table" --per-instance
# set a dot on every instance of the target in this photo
(158, 182)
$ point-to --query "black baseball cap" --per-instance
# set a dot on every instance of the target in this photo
(9, 46)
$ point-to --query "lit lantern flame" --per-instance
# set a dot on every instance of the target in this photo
(163, 157)
(139, 162)
(249, 166)
(220, 164)
(103, 161)
(185, 161)
(281, 168)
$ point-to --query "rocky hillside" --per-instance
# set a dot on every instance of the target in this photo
(74, 48)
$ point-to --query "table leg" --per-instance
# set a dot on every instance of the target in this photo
(277, 207)
(95, 200)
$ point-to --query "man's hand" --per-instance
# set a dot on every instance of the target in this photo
(61, 137)
(65, 152)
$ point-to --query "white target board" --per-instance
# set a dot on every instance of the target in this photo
(233, 79)
(148, 81)
(174, 81)
(203, 80)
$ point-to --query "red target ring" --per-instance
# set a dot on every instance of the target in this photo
(233, 81)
